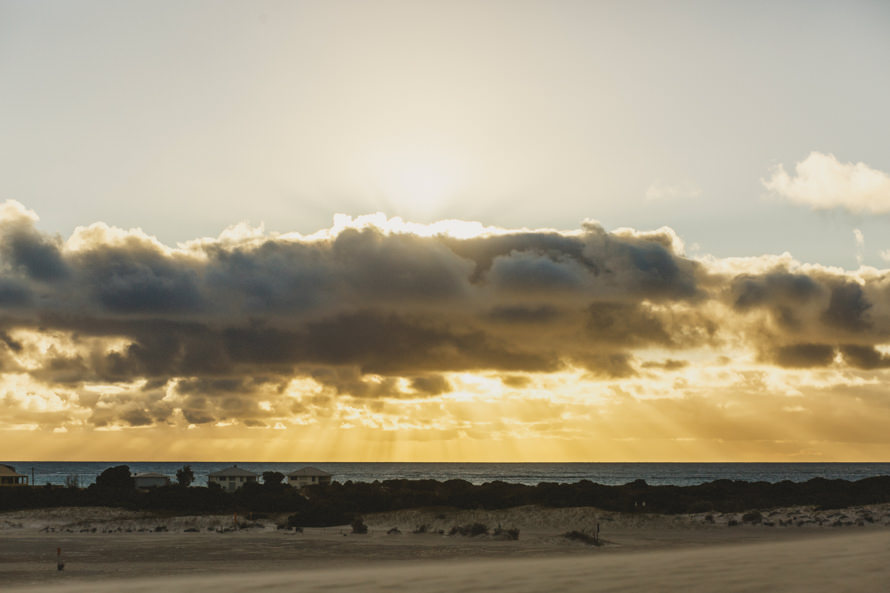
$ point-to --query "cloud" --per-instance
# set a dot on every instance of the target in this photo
(666, 191)
(112, 328)
(822, 182)
(804, 355)
(667, 365)
(864, 357)
(860, 246)
(26, 251)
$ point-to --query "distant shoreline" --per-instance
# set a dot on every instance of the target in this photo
(608, 473)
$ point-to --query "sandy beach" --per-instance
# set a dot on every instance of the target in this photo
(794, 549)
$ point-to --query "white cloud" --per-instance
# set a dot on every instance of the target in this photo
(823, 182)
(666, 191)
(860, 245)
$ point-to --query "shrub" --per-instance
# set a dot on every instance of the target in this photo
(273, 479)
(700, 506)
(115, 478)
(581, 536)
(471, 530)
(394, 531)
(185, 476)
(319, 513)
(511, 533)
(752, 517)
(358, 526)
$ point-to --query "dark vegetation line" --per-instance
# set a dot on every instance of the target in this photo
(339, 504)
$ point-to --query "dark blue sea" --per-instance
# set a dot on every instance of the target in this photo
(679, 474)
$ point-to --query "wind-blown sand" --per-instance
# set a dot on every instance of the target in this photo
(641, 552)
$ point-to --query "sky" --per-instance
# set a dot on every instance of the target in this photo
(444, 231)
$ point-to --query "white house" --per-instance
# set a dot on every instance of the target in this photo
(9, 477)
(150, 480)
(231, 478)
(307, 477)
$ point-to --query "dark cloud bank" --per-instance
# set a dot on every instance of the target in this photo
(226, 319)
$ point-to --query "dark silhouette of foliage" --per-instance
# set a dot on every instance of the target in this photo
(273, 479)
(583, 537)
(511, 533)
(752, 517)
(340, 504)
(358, 526)
(471, 530)
(185, 476)
(115, 478)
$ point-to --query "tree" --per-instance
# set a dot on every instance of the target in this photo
(273, 478)
(72, 481)
(115, 478)
(185, 476)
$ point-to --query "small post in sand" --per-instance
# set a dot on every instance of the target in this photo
(59, 564)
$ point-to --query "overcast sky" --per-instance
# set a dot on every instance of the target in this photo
(678, 221)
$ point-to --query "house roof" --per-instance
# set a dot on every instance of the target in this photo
(308, 471)
(233, 471)
(8, 470)
(150, 475)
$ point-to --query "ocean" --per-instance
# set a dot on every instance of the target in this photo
(678, 474)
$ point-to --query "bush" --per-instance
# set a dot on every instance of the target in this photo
(320, 513)
(510, 534)
(185, 476)
(700, 506)
(752, 517)
(273, 479)
(583, 537)
(115, 478)
(471, 530)
(358, 526)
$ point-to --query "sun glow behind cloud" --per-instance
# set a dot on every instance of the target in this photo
(417, 182)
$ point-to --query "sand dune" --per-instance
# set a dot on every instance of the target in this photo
(850, 562)
(643, 553)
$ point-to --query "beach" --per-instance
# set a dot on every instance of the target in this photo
(791, 549)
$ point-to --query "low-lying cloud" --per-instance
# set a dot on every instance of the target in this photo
(110, 327)
(822, 182)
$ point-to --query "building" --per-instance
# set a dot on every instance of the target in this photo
(150, 480)
(9, 477)
(231, 478)
(307, 477)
